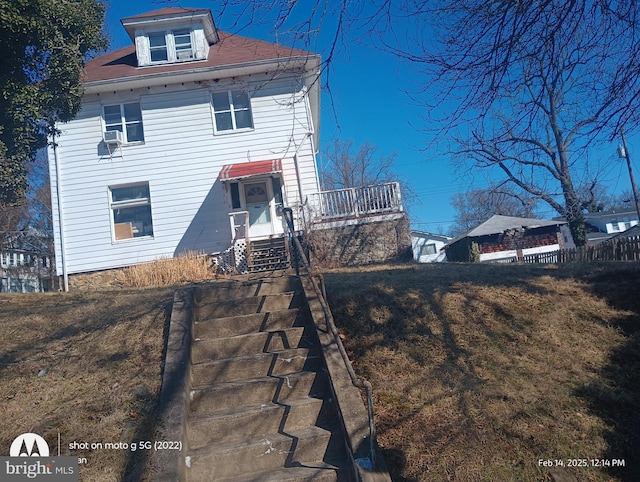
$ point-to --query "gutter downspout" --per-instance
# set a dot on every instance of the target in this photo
(295, 162)
(63, 253)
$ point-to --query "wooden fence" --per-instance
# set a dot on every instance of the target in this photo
(619, 249)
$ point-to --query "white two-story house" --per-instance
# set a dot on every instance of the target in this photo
(190, 139)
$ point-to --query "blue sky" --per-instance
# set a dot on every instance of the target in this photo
(370, 102)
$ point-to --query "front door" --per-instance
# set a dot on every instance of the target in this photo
(257, 201)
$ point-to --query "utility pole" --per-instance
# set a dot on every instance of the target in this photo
(624, 152)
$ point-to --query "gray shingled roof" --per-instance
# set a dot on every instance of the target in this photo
(497, 224)
(632, 231)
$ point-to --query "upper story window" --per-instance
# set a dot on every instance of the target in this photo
(232, 111)
(171, 46)
(126, 118)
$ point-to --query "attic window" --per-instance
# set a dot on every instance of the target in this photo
(158, 47)
(170, 46)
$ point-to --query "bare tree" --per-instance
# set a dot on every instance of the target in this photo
(476, 206)
(541, 82)
(523, 86)
(345, 167)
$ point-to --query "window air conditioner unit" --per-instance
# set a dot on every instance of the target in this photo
(112, 137)
(185, 55)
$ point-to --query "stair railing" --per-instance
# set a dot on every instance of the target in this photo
(298, 255)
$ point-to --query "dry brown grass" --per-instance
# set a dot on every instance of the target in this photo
(185, 268)
(102, 352)
(479, 371)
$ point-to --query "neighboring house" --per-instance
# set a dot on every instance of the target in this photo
(631, 233)
(506, 238)
(602, 226)
(25, 264)
(428, 247)
(191, 139)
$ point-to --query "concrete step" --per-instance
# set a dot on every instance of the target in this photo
(244, 306)
(235, 346)
(223, 397)
(259, 365)
(253, 422)
(227, 290)
(245, 324)
(316, 473)
(221, 462)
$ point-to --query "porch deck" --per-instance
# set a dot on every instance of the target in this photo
(355, 203)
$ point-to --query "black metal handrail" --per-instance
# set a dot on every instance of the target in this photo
(331, 328)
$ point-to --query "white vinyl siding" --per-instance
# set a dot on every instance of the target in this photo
(180, 160)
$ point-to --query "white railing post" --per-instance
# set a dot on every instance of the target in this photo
(232, 222)
(397, 195)
(235, 228)
(354, 201)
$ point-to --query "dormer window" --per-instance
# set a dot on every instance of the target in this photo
(171, 35)
(171, 46)
(182, 42)
(158, 47)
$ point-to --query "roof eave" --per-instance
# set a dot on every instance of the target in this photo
(307, 62)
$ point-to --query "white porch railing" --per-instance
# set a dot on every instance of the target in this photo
(239, 227)
(355, 202)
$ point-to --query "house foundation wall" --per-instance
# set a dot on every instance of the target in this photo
(361, 244)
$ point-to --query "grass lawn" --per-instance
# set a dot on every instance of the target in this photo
(85, 366)
(481, 371)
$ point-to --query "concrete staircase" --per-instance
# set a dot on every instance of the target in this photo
(258, 401)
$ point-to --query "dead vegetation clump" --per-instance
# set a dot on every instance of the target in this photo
(481, 371)
(190, 267)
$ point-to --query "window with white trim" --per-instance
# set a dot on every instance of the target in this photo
(232, 111)
(126, 118)
(428, 249)
(158, 47)
(171, 46)
(131, 211)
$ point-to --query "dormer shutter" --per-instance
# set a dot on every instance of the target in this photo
(142, 49)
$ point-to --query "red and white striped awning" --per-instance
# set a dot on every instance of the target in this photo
(248, 169)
